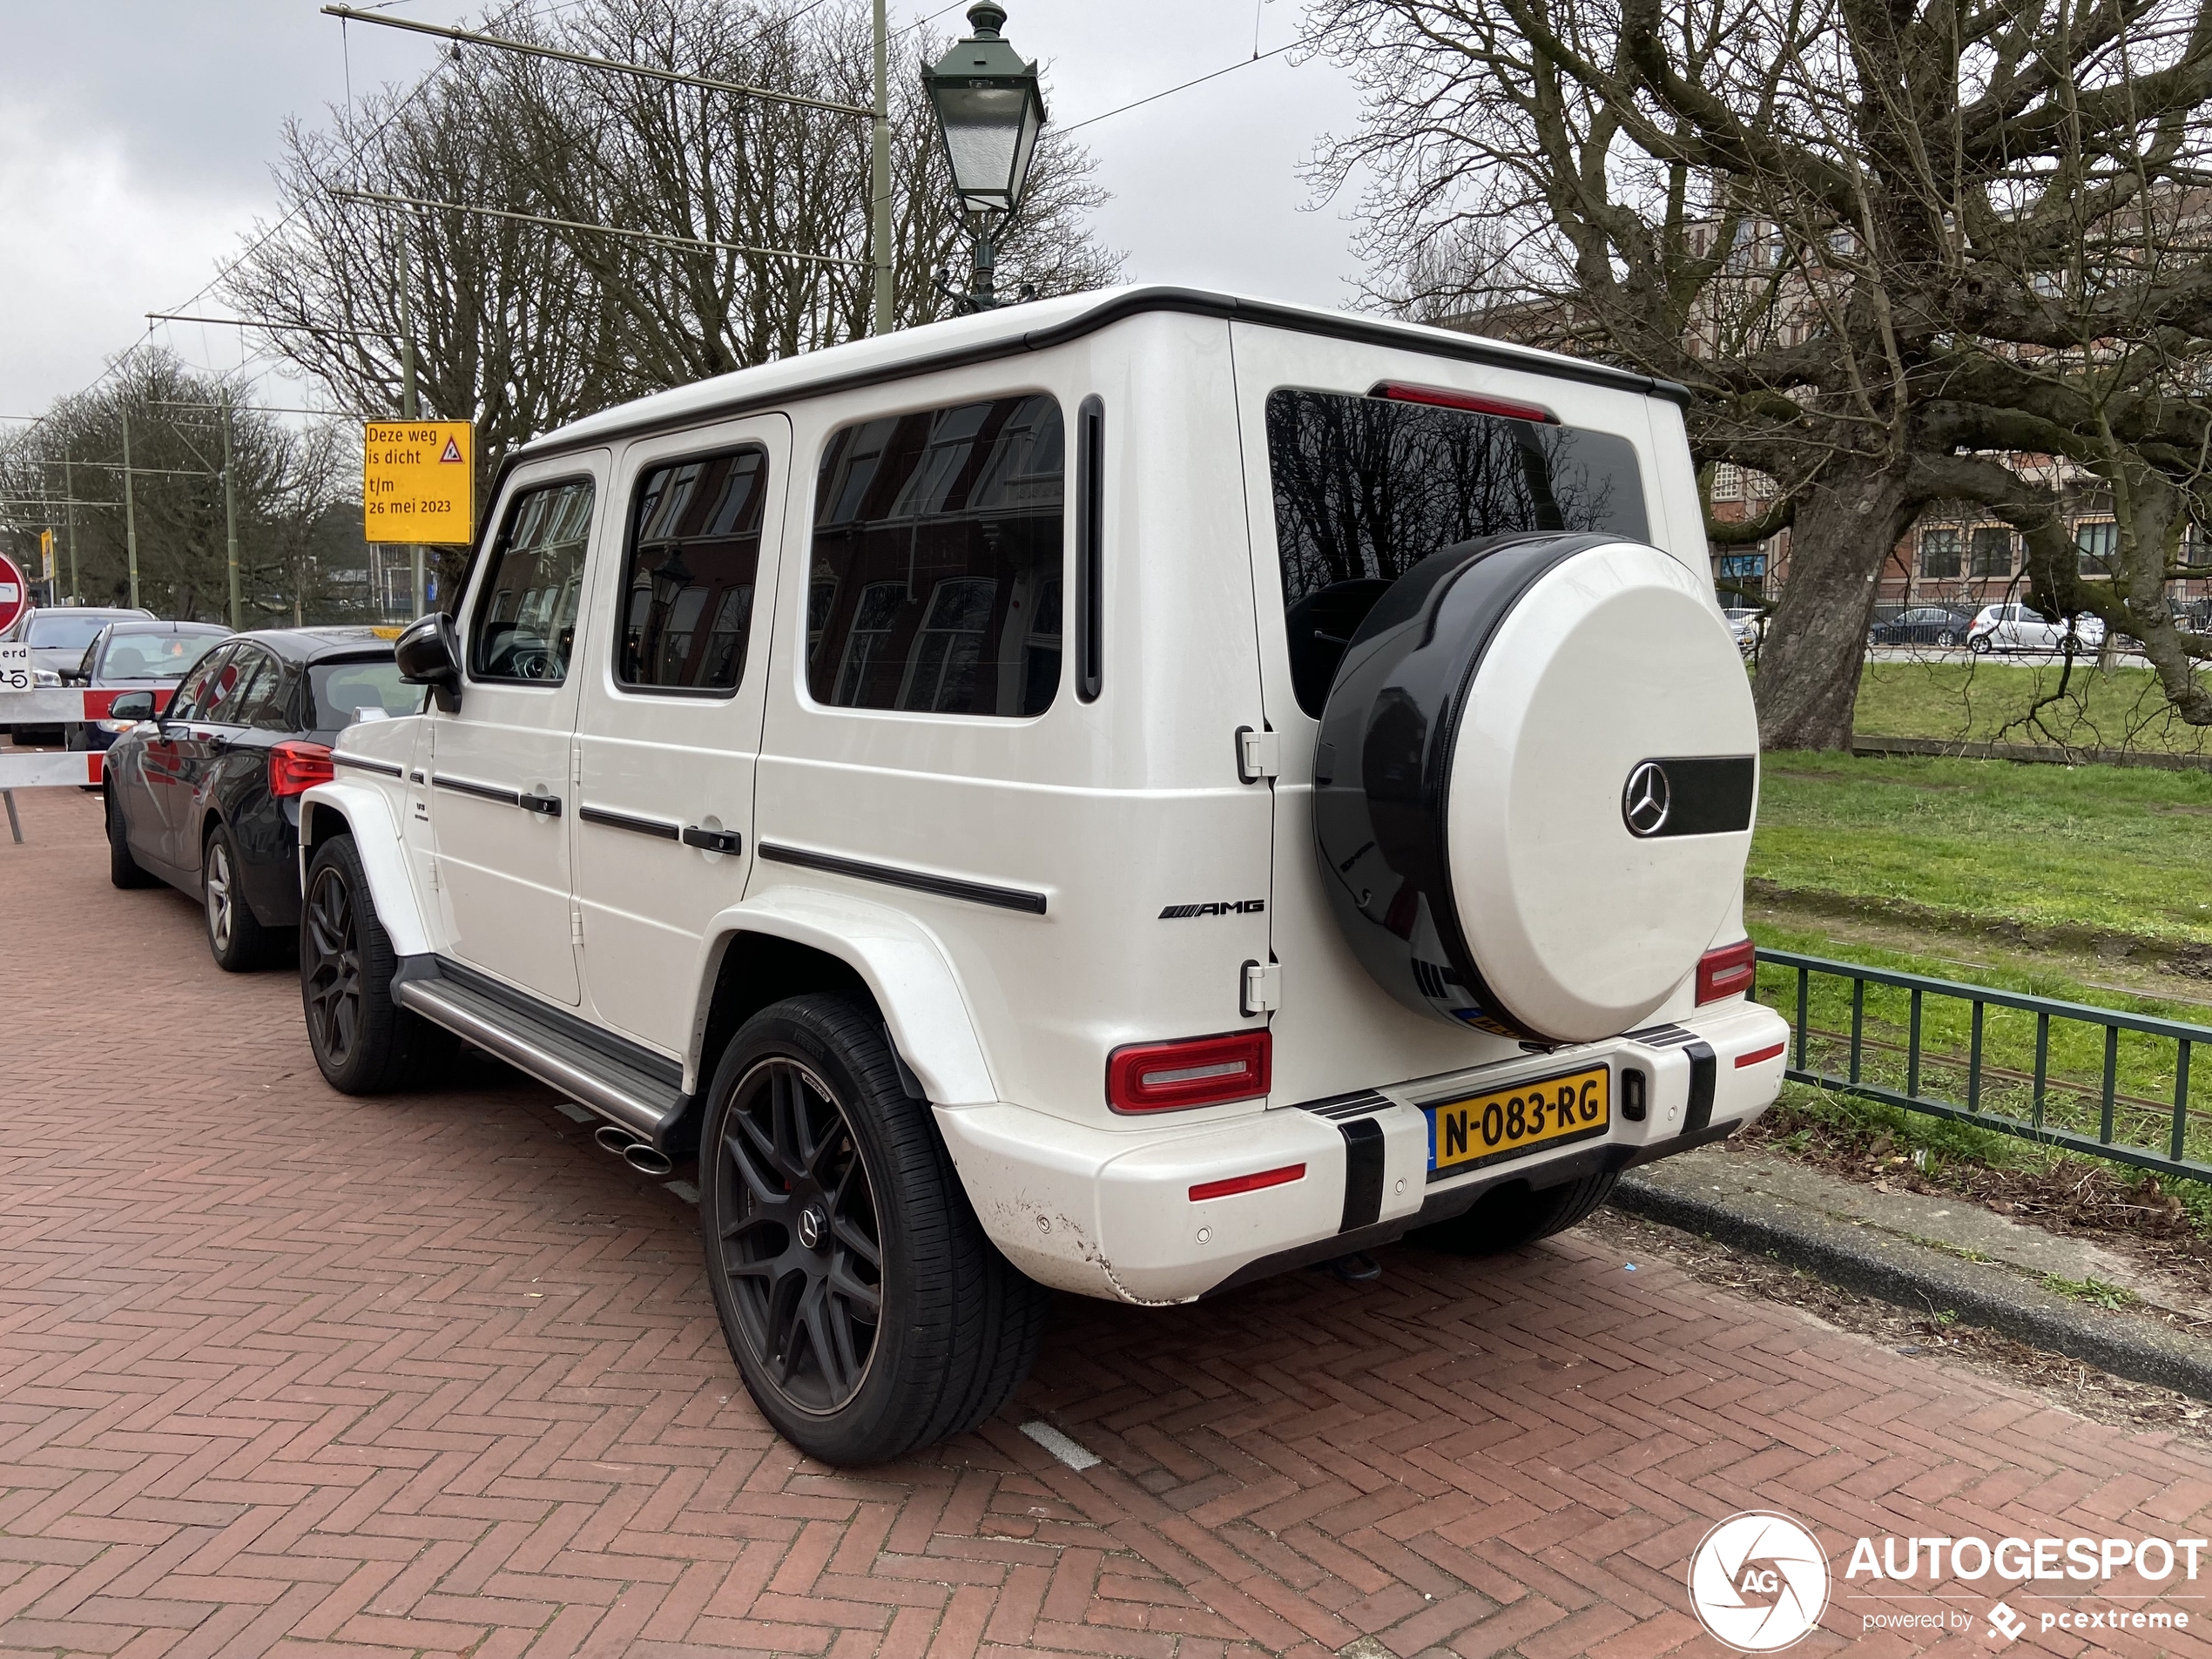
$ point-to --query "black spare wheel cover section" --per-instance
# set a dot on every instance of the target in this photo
(1533, 784)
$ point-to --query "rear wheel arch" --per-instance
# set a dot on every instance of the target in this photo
(791, 943)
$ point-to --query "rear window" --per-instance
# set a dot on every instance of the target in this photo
(58, 630)
(1367, 488)
(154, 656)
(363, 689)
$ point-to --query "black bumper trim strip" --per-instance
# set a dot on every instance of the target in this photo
(1363, 1173)
(1704, 1076)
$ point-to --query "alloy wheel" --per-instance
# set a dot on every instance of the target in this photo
(800, 1247)
(220, 901)
(333, 976)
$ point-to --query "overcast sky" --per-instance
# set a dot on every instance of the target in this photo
(135, 138)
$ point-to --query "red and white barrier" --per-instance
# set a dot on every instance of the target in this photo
(64, 705)
(50, 768)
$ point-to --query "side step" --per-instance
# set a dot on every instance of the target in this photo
(625, 1083)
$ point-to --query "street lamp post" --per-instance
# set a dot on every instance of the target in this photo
(988, 112)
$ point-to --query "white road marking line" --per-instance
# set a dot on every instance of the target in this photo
(1075, 1456)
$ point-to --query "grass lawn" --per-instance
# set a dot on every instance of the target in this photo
(1988, 702)
(2102, 849)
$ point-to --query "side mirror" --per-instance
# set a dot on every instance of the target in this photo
(132, 705)
(428, 653)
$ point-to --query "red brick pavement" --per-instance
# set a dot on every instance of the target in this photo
(283, 1372)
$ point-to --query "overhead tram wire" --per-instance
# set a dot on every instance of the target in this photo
(273, 328)
(1154, 97)
(674, 77)
(601, 230)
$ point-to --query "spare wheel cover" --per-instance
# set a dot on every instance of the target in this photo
(1473, 784)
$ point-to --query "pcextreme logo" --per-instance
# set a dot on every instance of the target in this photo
(1758, 1582)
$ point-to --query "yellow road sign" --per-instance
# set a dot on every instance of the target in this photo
(418, 481)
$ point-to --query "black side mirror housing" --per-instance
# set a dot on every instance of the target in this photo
(428, 653)
(132, 705)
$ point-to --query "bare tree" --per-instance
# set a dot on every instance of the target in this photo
(524, 326)
(1886, 246)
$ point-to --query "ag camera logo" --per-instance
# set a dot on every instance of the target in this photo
(1758, 1582)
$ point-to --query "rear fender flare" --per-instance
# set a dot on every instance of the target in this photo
(903, 964)
(334, 808)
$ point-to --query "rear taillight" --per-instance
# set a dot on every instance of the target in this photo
(1474, 403)
(1726, 972)
(296, 767)
(1198, 1071)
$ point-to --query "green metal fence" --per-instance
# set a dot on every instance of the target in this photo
(2089, 1079)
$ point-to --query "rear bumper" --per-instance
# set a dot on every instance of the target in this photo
(1109, 1212)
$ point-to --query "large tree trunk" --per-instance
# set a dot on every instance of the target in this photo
(1807, 689)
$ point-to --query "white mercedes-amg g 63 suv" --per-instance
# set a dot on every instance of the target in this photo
(1126, 793)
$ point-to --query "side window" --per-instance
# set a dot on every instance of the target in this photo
(266, 703)
(687, 579)
(523, 627)
(935, 580)
(191, 693)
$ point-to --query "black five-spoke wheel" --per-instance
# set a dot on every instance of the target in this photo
(800, 1244)
(330, 967)
(867, 1311)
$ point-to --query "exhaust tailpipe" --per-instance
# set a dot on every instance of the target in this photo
(643, 1158)
(639, 1155)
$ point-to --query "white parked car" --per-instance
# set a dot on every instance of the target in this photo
(2018, 627)
(1128, 793)
(1744, 626)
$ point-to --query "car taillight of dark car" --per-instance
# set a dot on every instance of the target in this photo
(296, 767)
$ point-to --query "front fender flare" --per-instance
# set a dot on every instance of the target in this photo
(901, 961)
(376, 837)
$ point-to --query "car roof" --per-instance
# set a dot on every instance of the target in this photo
(309, 645)
(1039, 325)
(142, 625)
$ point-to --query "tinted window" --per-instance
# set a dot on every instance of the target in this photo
(194, 689)
(936, 574)
(687, 584)
(525, 617)
(1367, 488)
(152, 656)
(267, 702)
(363, 689)
(232, 690)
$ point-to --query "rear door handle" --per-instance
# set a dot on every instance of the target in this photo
(709, 840)
(543, 805)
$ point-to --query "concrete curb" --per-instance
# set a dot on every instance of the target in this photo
(1912, 1276)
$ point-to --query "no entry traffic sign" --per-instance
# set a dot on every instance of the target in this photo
(14, 595)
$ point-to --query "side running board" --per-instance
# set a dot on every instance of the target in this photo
(622, 1081)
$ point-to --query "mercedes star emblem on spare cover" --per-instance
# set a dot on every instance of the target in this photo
(1645, 802)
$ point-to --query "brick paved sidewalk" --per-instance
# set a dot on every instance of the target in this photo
(283, 1372)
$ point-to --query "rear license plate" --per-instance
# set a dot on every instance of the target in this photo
(1525, 1117)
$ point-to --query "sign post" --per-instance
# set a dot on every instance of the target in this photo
(15, 671)
(418, 483)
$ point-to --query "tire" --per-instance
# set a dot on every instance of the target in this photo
(123, 870)
(867, 1312)
(236, 938)
(1947, 639)
(364, 1042)
(1980, 646)
(1512, 1216)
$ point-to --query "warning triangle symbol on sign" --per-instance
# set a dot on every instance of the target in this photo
(453, 452)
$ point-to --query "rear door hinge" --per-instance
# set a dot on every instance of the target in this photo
(1259, 754)
(1261, 991)
(576, 925)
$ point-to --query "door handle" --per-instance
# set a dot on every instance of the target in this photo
(709, 840)
(543, 805)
